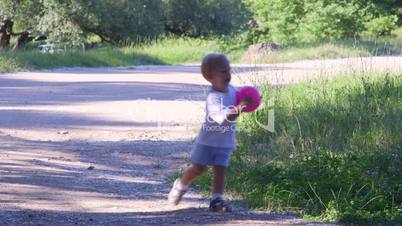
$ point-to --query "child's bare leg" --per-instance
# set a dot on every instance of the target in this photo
(180, 186)
(218, 182)
(217, 203)
(191, 173)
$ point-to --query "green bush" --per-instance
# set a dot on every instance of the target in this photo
(381, 26)
(204, 17)
(277, 19)
(286, 21)
(70, 22)
(332, 21)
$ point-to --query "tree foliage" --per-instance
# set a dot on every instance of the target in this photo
(288, 21)
(71, 21)
(114, 21)
(23, 13)
(204, 17)
(26, 12)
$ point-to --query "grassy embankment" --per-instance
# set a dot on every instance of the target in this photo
(336, 152)
(187, 50)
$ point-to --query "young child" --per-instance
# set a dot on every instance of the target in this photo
(216, 140)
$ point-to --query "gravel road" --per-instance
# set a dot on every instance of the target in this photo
(96, 146)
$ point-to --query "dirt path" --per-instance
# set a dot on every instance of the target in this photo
(96, 146)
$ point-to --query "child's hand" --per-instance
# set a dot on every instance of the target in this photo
(243, 104)
(246, 101)
(239, 108)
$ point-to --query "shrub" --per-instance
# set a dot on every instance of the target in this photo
(204, 17)
(333, 21)
(381, 26)
(286, 21)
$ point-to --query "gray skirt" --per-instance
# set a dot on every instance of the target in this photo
(212, 156)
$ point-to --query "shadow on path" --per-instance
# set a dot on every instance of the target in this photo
(188, 216)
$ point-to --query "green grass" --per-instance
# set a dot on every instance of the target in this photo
(96, 58)
(174, 50)
(8, 63)
(163, 51)
(335, 154)
(330, 50)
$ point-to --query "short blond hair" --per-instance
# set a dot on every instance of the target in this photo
(211, 61)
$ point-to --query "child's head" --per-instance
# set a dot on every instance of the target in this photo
(216, 69)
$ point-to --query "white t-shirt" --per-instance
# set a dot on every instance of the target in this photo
(217, 130)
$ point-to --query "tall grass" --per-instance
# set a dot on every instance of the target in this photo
(174, 50)
(162, 51)
(95, 58)
(179, 50)
(9, 64)
(335, 153)
(386, 46)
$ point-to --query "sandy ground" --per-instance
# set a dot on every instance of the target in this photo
(97, 146)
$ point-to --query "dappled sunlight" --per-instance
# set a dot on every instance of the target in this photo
(36, 197)
(101, 144)
(99, 106)
(104, 105)
(54, 176)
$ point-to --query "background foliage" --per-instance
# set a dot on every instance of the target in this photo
(123, 21)
(289, 21)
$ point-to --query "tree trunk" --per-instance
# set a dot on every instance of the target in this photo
(23, 38)
(5, 33)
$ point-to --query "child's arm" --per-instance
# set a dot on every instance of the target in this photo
(218, 113)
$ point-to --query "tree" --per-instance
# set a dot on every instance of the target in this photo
(70, 22)
(5, 32)
(24, 13)
(113, 21)
(202, 17)
(331, 21)
(278, 19)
